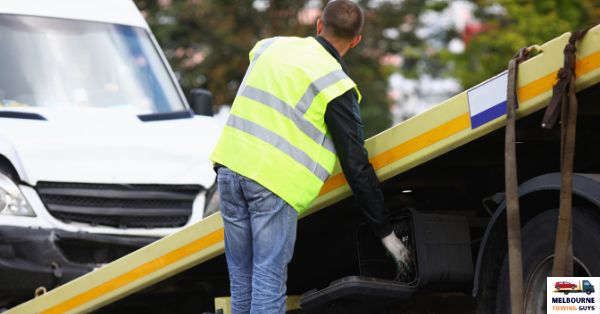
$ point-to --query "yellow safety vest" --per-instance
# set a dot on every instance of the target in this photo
(276, 133)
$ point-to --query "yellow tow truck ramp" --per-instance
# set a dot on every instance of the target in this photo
(398, 155)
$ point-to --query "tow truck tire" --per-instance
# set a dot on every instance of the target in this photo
(537, 241)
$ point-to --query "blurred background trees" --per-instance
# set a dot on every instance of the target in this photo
(414, 53)
(508, 26)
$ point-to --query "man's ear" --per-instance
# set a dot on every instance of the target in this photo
(319, 26)
(355, 41)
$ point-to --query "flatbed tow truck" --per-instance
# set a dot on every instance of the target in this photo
(583, 286)
(442, 175)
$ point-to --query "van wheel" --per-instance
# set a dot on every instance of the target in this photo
(537, 243)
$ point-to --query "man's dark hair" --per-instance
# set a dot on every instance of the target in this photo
(343, 19)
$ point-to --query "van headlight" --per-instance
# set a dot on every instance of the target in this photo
(12, 201)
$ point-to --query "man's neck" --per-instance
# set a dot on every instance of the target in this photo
(340, 46)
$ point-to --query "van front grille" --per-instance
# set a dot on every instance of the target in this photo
(120, 205)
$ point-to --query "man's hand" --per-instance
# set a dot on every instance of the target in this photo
(401, 255)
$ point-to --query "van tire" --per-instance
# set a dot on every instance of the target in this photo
(537, 241)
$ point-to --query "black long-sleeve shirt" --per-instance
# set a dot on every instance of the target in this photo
(342, 117)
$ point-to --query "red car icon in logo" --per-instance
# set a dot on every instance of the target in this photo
(560, 285)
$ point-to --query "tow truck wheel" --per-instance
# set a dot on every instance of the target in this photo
(538, 250)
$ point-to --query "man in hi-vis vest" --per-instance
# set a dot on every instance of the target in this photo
(295, 112)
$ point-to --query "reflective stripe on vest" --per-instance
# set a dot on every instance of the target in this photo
(291, 113)
(315, 87)
(280, 143)
(276, 134)
(256, 54)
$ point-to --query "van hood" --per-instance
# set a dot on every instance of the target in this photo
(100, 145)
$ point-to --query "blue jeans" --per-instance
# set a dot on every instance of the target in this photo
(260, 232)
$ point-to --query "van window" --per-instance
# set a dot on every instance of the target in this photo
(51, 62)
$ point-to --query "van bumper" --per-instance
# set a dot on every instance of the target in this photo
(32, 258)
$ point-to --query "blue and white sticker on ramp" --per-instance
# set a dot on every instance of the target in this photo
(487, 101)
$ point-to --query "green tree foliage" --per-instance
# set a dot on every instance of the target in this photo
(207, 43)
(390, 30)
(512, 25)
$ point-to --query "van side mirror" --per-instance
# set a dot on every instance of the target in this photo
(201, 101)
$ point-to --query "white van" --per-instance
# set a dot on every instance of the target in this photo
(100, 153)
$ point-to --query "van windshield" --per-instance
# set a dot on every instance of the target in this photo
(50, 62)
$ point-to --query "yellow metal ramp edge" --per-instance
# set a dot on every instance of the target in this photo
(223, 304)
(404, 146)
